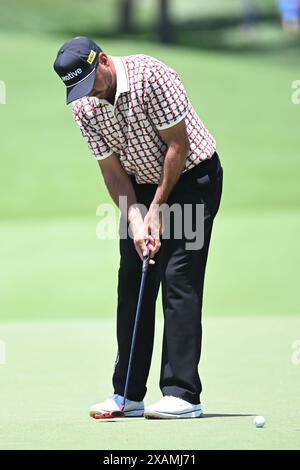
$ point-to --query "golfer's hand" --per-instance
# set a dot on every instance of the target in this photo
(153, 228)
(140, 238)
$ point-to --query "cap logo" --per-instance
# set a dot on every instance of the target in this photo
(91, 57)
(71, 75)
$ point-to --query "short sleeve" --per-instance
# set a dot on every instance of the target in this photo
(95, 141)
(166, 99)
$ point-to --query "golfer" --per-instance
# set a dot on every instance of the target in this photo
(153, 150)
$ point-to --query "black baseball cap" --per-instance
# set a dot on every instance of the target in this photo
(76, 64)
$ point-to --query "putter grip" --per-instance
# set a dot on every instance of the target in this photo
(145, 262)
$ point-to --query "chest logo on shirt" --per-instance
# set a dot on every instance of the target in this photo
(91, 57)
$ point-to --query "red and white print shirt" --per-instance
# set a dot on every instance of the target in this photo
(149, 97)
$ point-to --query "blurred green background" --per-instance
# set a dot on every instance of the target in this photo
(238, 79)
(238, 67)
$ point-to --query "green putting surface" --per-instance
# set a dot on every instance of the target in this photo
(55, 370)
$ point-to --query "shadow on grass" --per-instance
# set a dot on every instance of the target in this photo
(226, 33)
(226, 415)
(204, 416)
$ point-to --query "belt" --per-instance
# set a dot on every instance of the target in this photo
(205, 167)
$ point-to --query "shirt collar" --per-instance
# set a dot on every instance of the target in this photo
(122, 78)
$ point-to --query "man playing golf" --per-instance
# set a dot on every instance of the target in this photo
(153, 149)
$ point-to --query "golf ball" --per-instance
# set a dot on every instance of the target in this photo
(259, 421)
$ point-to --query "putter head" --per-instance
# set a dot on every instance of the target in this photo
(110, 415)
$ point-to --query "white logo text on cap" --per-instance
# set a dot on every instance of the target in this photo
(71, 75)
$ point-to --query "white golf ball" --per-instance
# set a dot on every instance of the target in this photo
(259, 421)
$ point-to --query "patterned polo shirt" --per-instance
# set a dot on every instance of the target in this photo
(149, 97)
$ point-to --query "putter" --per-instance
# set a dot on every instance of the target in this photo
(120, 413)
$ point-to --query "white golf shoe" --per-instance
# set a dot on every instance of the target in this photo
(114, 403)
(171, 408)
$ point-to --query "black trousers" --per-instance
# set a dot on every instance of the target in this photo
(180, 271)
